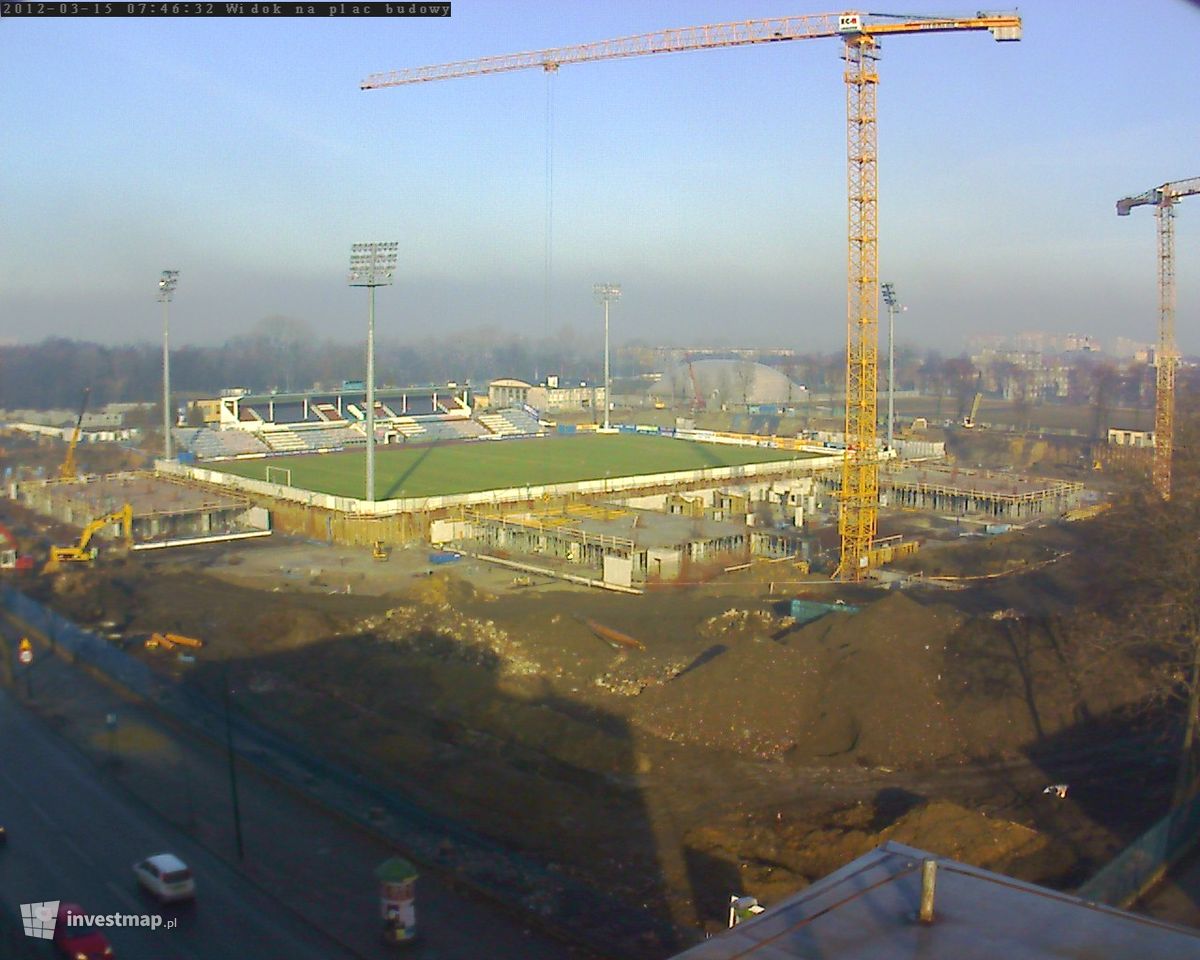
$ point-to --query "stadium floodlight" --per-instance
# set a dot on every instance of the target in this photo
(372, 265)
(606, 293)
(893, 304)
(166, 293)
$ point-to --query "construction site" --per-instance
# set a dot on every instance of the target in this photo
(629, 671)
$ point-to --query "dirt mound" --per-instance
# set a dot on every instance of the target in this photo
(862, 686)
(882, 684)
(751, 695)
(773, 854)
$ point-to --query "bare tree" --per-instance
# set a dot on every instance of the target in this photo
(1155, 549)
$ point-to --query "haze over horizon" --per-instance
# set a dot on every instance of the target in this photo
(711, 185)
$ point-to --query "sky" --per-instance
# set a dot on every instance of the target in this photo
(711, 185)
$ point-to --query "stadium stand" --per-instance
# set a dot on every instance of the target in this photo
(288, 413)
(513, 422)
(285, 441)
(209, 444)
(329, 438)
(327, 411)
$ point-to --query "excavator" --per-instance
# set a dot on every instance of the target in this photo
(68, 470)
(81, 552)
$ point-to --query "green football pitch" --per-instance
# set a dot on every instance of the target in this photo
(451, 468)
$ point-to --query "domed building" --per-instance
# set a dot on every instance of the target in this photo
(721, 382)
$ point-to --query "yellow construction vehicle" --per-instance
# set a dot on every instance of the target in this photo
(81, 552)
(379, 550)
(969, 420)
(68, 471)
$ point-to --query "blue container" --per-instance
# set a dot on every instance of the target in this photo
(444, 556)
(566, 428)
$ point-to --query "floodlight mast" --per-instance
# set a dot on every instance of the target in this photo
(166, 293)
(606, 293)
(372, 265)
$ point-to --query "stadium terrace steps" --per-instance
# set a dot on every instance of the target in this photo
(410, 428)
(511, 423)
(207, 444)
(285, 441)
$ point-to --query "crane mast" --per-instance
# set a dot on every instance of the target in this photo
(1166, 354)
(859, 497)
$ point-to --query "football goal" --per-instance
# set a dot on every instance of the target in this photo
(281, 475)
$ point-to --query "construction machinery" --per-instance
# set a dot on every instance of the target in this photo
(968, 422)
(1166, 356)
(379, 550)
(82, 552)
(68, 470)
(860, 33)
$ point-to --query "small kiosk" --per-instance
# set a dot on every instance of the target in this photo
(397, 882)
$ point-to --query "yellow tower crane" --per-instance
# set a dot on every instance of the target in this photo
(1166, 356)
(68, 470)
(860, 32)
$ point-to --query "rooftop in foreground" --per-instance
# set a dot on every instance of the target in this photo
(867, 911)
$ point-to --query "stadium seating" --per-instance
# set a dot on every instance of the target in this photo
(513, 422)
(285, 441)
(211, 444)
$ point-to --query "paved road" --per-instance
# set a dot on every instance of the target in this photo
(72, 837)
(78, 822)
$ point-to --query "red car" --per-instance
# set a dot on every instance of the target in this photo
(78, 940)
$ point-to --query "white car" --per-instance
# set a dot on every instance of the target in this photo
(166, 876)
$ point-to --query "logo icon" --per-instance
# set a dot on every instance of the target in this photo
(38, 919)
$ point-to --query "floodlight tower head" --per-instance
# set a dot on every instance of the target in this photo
(166, 285)
(373, 264)
(606, 292)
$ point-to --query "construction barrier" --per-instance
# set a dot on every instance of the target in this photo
(1137, 868)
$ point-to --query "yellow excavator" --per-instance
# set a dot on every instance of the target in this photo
(81, 552)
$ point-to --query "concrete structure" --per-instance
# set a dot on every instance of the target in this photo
(872, 909)
(624, 545)
(969, 492)
(165, 510)
(1121, 437)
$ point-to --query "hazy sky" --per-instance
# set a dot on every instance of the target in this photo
(711, 184)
